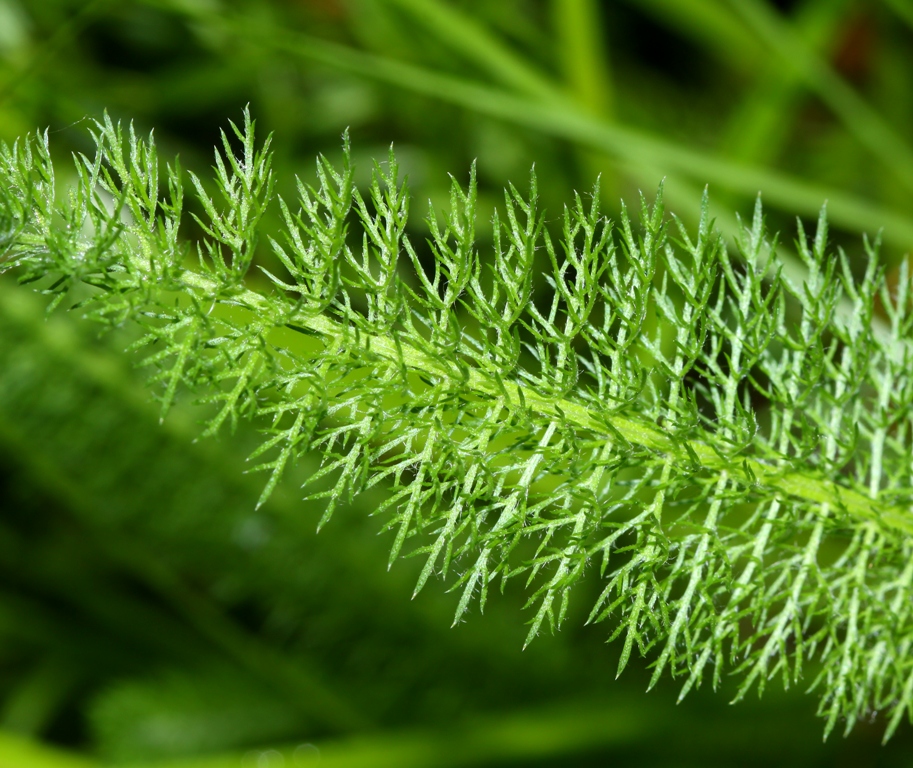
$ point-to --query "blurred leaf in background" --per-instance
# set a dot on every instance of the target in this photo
(150, 614)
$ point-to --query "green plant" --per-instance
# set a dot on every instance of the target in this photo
(730, 450)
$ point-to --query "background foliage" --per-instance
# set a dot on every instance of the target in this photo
(149, 613)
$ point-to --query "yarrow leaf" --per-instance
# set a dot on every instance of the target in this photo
(727, 451)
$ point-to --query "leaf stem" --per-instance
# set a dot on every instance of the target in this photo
(747, 471)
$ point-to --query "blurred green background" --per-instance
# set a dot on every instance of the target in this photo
(148, 615)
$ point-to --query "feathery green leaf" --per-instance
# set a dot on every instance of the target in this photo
(731, 452)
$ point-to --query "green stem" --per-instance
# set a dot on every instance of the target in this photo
(747, 471)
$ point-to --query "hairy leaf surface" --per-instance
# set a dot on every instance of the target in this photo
(727, 450)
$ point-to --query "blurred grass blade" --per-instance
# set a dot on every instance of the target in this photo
(863, 122)
(760, 126)
(592, 731)
(31, 705)
(581, 47)
(583, 55)
(51, 444)
(474, 41)
(904, 9)
(635, 147)
(498, 740)
(19, 752)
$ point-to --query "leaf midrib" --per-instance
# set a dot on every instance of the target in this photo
(816, 492)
